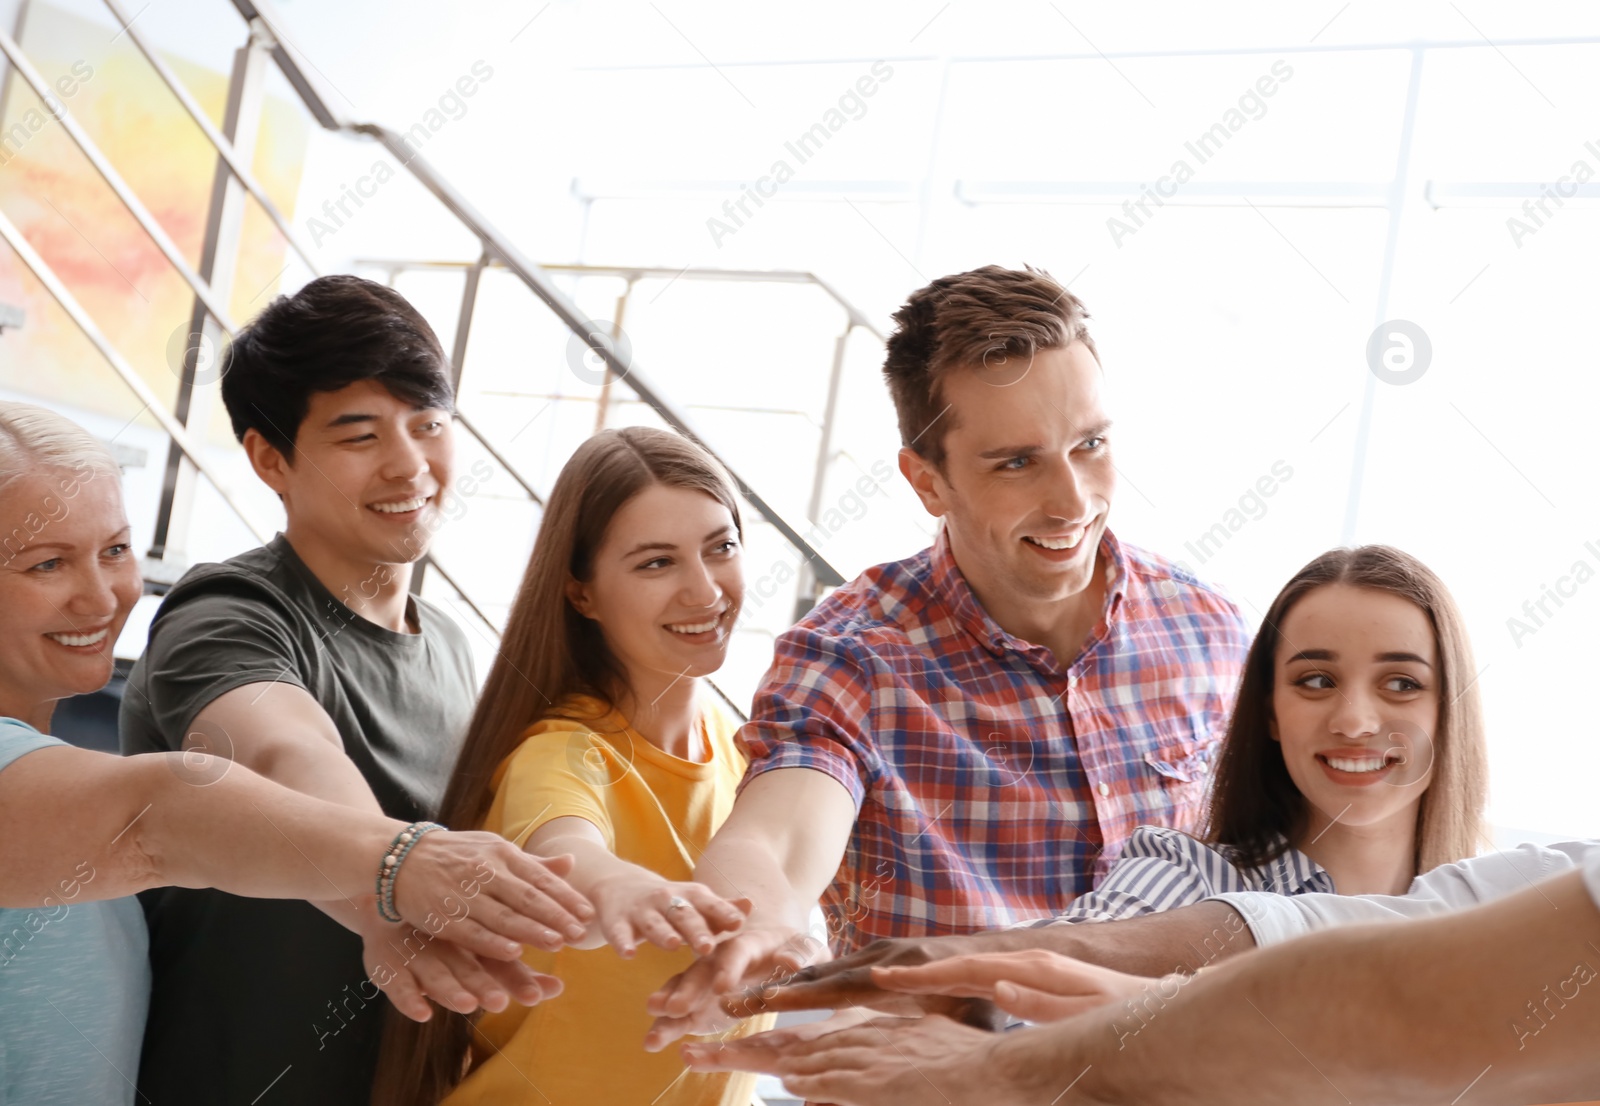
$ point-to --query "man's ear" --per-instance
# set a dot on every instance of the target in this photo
(268, 461)
(578, 596)
(925, 479)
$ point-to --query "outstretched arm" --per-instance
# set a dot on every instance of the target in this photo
(1182, 940)
(633, 904)
(779, 848)
(1489, 1005)
(119, 825)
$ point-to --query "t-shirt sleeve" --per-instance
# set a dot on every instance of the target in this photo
(229, 635)
(558, 775)
(1591, 873)
(17, 739)
(814, 709)
(1274, 919)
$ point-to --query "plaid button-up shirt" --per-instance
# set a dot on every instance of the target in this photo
(993, 783)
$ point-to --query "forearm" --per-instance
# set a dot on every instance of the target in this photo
(749, 867)
(248, 836)
(1494, 999)
(1182, 940)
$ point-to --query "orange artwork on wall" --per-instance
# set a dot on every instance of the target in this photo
(49, 189)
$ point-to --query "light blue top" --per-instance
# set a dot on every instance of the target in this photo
(74, 981)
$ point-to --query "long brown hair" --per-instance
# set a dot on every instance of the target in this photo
(1257, 810)
(548, 653)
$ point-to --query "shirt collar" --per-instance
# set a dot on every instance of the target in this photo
(952, 588)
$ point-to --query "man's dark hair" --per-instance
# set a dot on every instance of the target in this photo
(985, 319)
(334, 332)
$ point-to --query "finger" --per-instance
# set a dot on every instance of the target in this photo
(522, 983)
(942, 977)
(750, 1054)
(471, 935)
(456, 979)
(437, 981)
(1034, 1005)
(697, 984)
(718, 914)
(663, 1031)
(547, 875)
(657, 928)
(533, 901)
(508, 927)
(690, 922)
(621, 936)
(406, 996)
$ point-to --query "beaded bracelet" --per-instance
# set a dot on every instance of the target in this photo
(389, 867)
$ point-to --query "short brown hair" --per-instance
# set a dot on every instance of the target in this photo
(978, 319)
(1257, 810)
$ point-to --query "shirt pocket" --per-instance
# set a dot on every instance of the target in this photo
(1183, 772)
(1182, 762)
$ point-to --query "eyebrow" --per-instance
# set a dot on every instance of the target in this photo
(1093, 431)
(1330, 655)
(647, 546)
(349, 420)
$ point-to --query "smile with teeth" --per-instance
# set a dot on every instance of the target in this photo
(1069, 542)
(1360, 764)
(400, 507)
(80, 640)
(697, 627)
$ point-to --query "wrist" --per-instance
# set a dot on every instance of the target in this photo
(1029, 1073)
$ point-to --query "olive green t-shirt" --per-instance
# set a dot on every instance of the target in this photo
(252, 993)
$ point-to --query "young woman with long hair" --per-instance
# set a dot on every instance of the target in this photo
(595, 737)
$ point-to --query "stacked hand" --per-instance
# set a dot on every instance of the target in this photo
(470, 902)
(635, 906)
(711, 994)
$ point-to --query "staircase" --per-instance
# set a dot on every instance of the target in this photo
(474, 567)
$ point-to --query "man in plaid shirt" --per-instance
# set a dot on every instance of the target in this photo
(964, 739)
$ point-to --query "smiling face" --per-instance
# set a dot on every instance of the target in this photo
(1355, 705)
(68, 579)
(666, 587)
(368, 478)
(1026, 487)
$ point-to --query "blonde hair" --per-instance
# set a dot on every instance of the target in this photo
(34, 438)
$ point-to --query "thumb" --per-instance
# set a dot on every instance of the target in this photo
(560, 864)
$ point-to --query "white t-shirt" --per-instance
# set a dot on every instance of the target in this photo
(1274, 919)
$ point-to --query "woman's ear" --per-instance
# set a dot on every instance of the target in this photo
(1272, 725)
(578, 596)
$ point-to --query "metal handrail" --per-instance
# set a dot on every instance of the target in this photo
(217, 139)
(646, 272)
(497, 246)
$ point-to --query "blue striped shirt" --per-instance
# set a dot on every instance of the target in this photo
(1163, 869)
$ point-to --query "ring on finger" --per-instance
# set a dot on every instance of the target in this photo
(677, 902)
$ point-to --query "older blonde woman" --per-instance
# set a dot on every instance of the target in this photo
(81, 832)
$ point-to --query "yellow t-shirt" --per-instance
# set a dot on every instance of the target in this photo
(585, 1047)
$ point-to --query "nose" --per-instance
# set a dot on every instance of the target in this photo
(1068, 499)
(1356, 717)
(94, 599)
(700, 587)
(405, 459)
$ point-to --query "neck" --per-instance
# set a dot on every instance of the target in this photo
(665, 711)
(26, 707)
(374, 590)
(1365, 860)
(1061, 625)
